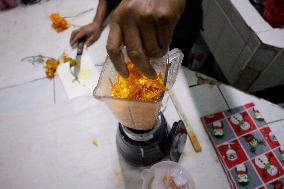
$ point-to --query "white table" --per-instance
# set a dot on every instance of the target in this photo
(46, 139)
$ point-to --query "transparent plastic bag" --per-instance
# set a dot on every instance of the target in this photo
(154, 178)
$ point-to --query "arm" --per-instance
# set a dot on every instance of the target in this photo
(93, 30)
(145, 27)
(103, 10)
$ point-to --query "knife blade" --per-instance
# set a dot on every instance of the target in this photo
(80, 50)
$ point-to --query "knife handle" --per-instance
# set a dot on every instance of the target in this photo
(81, 43)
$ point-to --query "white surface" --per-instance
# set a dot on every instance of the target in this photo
(57, 152)
(197, 102)
(190, 76)
(251, 16)
(55, 142)
(278, 129)
(235, 97)
(47, 145)
(87, 78)
(271, 36)
(28, 32)
(23, 97)
(275, 37)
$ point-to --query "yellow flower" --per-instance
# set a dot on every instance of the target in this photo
(137, 86)
(51, 67)
(49, 73)
(58, 22)
(72, 61)
(95, 142)
(65, 57)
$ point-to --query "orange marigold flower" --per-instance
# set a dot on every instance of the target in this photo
(65, 58)
(72, 61)
(49, 73)
(58, 22)
(137, 86)
(51, 67)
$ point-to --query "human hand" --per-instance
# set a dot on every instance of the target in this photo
(91, 31)
(145, 28)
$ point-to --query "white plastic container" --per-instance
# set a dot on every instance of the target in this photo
(153, 178)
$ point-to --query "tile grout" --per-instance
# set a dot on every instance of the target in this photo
(19, 84)
(195, 85)
(278, 120)
(54, 91)
(226, 102)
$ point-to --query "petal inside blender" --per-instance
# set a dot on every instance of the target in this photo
(137, 114)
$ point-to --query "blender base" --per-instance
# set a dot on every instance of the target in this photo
(142, 148)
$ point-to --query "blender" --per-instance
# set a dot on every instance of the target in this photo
(143, 135)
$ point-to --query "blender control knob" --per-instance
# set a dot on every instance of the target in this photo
(177, 139)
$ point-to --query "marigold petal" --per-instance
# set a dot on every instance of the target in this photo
(137, 86)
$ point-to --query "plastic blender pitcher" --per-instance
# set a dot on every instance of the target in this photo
(137, 114)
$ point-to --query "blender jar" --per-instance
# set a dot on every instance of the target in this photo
(137, 114)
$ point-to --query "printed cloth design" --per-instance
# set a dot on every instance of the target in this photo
(218, 130)
(249, 152)
(253, 142)
(242, 175)
(277, 184)
(281, 157)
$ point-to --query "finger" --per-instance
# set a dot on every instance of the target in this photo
(114, 42)
(73, 34)
(149, 35)
(135, 50)
(91, 40)
(78, 36)
(165, 29)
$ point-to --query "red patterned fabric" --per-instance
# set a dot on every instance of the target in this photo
(254, 147)
(4, 4)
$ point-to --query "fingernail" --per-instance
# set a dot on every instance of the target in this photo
(125, 73)
(151, 74)
(122, 71)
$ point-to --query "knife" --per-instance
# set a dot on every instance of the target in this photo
(77, 66)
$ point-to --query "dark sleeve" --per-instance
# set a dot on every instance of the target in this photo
(188, 27)
(113, 3)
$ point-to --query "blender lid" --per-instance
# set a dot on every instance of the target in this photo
(177, 139)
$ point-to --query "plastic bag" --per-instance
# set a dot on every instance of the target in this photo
(158, 175)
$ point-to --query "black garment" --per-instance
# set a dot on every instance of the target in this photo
(187, 28)
(113, 3)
